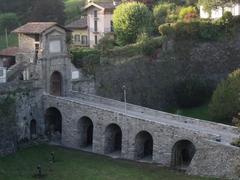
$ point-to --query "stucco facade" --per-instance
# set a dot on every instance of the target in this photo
(99, 19)
(218, 12)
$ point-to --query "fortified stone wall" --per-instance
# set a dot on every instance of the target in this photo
(151, 83)
(28, 106)
(165, 136)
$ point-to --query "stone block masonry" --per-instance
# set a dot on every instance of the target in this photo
(147, 135)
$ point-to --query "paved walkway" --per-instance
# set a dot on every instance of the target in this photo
(226, 134)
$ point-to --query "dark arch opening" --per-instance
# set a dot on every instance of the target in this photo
(144, 145)
(56, 84)
(85, 127)
(53, 120)
(33, 128)
(182, 154)
(113, 139)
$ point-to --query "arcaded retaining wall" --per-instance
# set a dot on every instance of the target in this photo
(212, 158)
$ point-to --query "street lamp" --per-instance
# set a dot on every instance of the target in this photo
(124, 88)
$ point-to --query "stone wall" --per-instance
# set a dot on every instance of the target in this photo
(151, 83)
(164, 135)
(28, 98)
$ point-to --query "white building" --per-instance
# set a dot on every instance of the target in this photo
(218, 12)
(3, 75)
(99, 20)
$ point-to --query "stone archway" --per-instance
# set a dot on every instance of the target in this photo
(53, 122)
(182, 154)
(113, 139)
(56, 84)
(33, 128)
(85, 129)
(144, 145)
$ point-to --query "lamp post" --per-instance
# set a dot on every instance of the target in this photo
(125, 97)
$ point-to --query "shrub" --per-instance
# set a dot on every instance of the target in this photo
(86, 58)
(131, 19)
(188, 13)
(187, 30)
(225, 100)
(107, 42)
(164, 13)
(192, 92)
(209, 31)
(166, 30)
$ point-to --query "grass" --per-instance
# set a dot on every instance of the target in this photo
(12, 41)
(76, 165)
(200, 112)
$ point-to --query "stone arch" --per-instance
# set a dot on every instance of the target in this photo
(182, 154)
(33, 128)
(53, 122)
(56, 84)
(85, 129)
(144, 145)
(113, 139)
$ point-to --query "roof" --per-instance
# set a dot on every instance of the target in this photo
(36, 27)
(12, 51)
(78, 24)
(101, 5)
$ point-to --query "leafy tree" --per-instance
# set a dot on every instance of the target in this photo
(188, 13)
(45, 10)
(22, 8)
(180, 2)
(8, 21)
(131, 19)
(164, 13)
(225, 103)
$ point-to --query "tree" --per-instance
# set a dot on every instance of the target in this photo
(8, 21)
(225, 102)
(188, 13)
(164, 13)
(22, 8)
(130, 20)
(45, 10)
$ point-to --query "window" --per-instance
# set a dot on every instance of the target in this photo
(95, 26)
(96, 40)
(84, 40)
(77, 38)
(37, 38)
(95, 14)
(112, 29)
(55, 46)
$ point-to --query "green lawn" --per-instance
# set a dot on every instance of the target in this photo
(76, 165)
(200, 112)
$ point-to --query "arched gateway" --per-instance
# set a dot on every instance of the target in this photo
(56, 84)
(53, 122)
(85, 130)
(143, 145)
(113, 139)
(33, 128)
(182, 154)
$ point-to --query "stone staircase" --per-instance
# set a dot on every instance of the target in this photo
(15, 70)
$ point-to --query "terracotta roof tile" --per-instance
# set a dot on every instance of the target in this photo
(12, 51)
(35, 27)
(78, 24)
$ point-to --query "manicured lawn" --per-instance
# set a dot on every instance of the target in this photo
(200, 112)
(76, 165)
